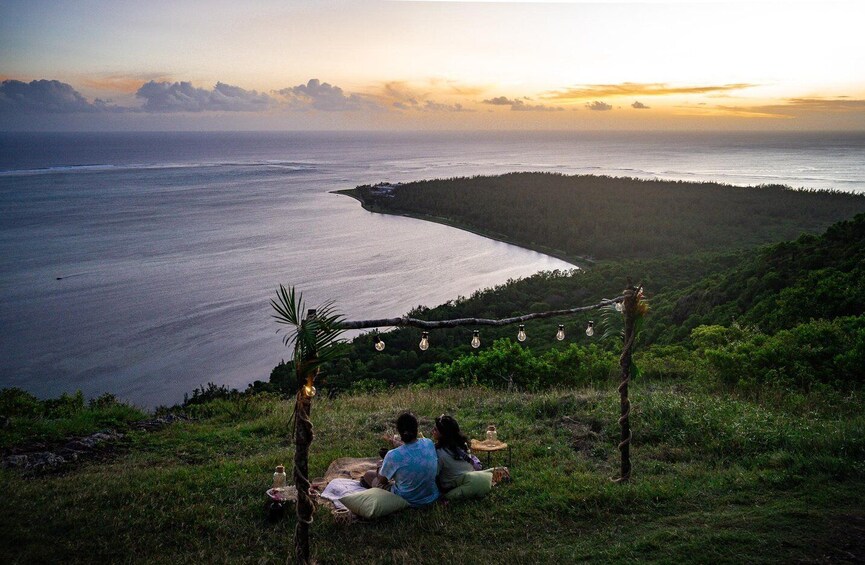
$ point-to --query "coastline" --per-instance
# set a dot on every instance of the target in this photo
(575, 260)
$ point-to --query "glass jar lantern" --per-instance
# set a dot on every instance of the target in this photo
(279, 477)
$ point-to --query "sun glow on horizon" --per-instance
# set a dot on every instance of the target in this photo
(456, 64)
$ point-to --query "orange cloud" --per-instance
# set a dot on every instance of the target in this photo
(735, 111)
(837, 104)
(443, 86)
(639, 89)
(518, 105)
(426, 96)
(126, 83)
(794, 107)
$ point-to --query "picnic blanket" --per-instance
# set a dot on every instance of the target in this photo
(337, 488)
(350, 468)
(342, 478)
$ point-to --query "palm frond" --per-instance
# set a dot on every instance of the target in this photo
(311, 337)
(613, 322)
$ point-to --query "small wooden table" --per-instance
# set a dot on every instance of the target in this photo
(489, 447)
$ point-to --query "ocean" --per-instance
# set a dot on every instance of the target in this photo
(142, 264)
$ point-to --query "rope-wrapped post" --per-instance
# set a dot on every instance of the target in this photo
(629, 311)
(302, 440)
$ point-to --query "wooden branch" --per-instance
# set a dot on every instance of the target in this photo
(437, 324)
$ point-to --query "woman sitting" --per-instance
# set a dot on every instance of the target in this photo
(412, 466)
(452, 449)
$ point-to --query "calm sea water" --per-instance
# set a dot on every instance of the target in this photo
(142, 264)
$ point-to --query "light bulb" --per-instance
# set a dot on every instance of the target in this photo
(618, 306)
(476, 339)
(424, 341)
(379, 344)
(309, 390)
(590, 329)
(560, 335)
(521, 335)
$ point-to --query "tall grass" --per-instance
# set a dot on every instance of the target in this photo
(715, 478)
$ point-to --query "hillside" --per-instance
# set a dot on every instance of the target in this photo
(779, 288)
(615, 218)
(715, 479)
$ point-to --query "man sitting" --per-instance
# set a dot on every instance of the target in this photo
(412, 466)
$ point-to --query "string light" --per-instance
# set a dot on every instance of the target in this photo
(560, 335)
(379, 344)
(476, 339)
(424, 341)
(521, 335)
(309, 390)
(590, 329)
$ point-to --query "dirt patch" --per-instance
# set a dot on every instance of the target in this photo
(584, 434)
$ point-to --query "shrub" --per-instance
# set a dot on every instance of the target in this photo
(508, 364)
(812, 355)
(669, 362)
(504, 365)
(368, 385)
(20, 403)
(204, 395)
(67, 405)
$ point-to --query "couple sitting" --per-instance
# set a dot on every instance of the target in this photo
(420, 468)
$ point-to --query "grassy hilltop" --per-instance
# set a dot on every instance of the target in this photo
(715, 479)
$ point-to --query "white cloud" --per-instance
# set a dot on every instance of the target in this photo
(183, 97)
(599, 106)
(323, 96)
(47, 97)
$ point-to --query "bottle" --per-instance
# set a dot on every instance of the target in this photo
(279, 477)
(492, 436)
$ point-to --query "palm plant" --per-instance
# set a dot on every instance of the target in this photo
(613, 322)
(313, 337)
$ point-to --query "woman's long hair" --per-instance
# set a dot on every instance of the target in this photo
(451, 439)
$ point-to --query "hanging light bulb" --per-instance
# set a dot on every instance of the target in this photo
(560, 335)
(424, 341)
(379, 344)
(618, 306)
(590, 329)
(521, 335)
(476, 339)
(309, 390)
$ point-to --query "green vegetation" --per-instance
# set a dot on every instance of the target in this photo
(28, 419)
(715, 478)
(748, 445)
(615, 218)
(787, 316)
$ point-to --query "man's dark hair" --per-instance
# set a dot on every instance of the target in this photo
(406, 425)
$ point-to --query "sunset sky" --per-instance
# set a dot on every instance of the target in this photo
(91, 65)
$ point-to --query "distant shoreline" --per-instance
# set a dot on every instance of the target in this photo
(576, 261)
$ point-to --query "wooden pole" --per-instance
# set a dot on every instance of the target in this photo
(302, 440)
(629, 311)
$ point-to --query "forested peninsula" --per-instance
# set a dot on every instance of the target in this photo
(600, 218)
